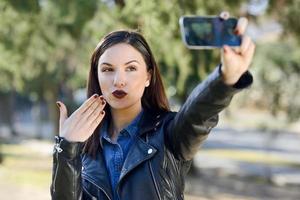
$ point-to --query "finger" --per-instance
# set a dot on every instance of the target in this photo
(94, 111)
(246, 41)
(63, 112)
(241, 26)
(99, 104)
(224, 15)
(88, 103)
(250, 52)
(97, 120)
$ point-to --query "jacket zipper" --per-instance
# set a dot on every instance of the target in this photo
(152, 174)
(98, 187)
(57, 166)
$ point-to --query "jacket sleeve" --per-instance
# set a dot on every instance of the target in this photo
(66, 174)
(199, 114)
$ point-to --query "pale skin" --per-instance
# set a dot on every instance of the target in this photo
(121, 67)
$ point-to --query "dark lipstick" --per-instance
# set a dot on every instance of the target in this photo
(119, 94)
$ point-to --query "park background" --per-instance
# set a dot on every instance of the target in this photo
(45, 47)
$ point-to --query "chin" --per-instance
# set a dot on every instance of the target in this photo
(122, 104)
(119, 105)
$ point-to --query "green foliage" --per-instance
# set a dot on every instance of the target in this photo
(277, 78)
(287, 12)
(45, 45)
(29, 6)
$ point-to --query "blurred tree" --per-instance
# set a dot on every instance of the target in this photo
(278, 65)
(41, 51)
(158, 21)
(45, 45)
(287, 12)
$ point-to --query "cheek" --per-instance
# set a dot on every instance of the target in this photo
(104, 85)
(139, 88)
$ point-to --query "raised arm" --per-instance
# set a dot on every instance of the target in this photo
(199, 114)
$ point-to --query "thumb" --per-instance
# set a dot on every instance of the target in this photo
(227, 51)
(63, 113)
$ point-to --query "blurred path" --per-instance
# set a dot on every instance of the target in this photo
(10, 191)
(269, 155)
(232, 164)
(247, 164)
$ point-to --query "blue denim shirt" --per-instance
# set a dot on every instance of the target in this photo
(116, 152)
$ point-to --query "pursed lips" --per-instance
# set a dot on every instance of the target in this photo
(119, 94)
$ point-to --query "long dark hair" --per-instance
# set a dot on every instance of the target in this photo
(154, 97)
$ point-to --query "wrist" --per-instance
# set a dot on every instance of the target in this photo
(227, 78)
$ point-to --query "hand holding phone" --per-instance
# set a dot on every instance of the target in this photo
(235, 61)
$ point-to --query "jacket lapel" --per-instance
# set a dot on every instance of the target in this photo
(139, 152)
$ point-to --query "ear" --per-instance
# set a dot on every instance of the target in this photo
(148, 78)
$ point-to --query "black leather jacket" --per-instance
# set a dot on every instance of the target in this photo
(157, 162)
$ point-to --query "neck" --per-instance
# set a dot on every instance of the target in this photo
(121, 118)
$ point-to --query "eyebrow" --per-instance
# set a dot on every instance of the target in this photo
(105, 63)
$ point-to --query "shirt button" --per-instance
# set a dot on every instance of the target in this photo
(150, 151)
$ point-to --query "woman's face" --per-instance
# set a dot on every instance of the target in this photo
(123, 76)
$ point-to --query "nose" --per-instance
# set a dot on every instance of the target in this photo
(119, 79)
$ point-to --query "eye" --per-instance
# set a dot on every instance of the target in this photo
(131, 68)
(106, 69)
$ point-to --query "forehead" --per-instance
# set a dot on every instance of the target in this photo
(121, 53)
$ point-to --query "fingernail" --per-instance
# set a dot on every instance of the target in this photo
(58, 104)
(96, 96)
(236, 32)
(103, 102)
(102, 112)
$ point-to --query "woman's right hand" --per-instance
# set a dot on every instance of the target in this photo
(82, 123)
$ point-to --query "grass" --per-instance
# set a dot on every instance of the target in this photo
(24, 166)
(251, 157)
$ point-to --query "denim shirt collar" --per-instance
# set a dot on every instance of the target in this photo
(130, 129)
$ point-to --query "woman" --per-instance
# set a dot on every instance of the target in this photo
(123, 143)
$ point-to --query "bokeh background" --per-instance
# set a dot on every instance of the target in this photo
(45, 47)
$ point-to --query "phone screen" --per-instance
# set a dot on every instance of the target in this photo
(209, 32)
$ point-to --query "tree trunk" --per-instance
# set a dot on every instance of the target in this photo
(6, 107)
(120, 3)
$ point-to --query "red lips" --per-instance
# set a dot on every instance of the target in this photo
(119, 94)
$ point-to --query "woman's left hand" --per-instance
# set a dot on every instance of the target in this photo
(235, 62)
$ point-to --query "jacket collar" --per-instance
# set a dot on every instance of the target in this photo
(149, 120)
(95, 170)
